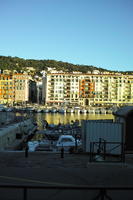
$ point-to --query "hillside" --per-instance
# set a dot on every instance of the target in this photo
(15, 63)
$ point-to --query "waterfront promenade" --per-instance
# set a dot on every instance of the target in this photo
(46, 169)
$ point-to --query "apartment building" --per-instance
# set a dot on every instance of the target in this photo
(17, 88)
(88, 89)
(106, 89)
(21, 88)
(6, 89)
(61, 89)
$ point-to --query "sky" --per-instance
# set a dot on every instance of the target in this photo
(84, 32)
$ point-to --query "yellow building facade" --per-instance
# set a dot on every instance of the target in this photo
(14, 88)
(6, 89)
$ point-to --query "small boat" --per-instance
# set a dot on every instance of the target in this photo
(103, 111)
(62, 110)
(77, 110)
(70, 110)
(38, 110)
(53, 110)
(97, 111)
(67, 142)
(83, 111)
(45, 110)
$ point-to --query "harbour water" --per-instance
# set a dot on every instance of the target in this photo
(54, 118)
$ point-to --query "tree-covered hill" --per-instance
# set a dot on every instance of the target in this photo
(15, 63)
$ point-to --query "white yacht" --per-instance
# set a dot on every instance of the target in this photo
(66, 142)
(53, 110)
(62, 110)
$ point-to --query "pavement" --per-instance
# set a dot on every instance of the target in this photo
(49, 169)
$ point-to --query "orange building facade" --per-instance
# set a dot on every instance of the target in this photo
(6, 89)
(13, 88)
(86, 89)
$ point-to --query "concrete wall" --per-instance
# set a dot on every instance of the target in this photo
(8, 133)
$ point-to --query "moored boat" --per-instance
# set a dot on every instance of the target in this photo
(67, 142)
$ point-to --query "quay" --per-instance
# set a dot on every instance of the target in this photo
(43, 169)
(48, 175)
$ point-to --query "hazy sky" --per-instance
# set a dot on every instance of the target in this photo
(89, 32)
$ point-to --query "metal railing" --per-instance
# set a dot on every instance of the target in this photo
(102, 195)
(103, 151)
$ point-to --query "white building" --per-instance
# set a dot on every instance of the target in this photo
(87, 89)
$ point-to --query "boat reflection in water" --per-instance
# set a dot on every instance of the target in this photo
(55, 118)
